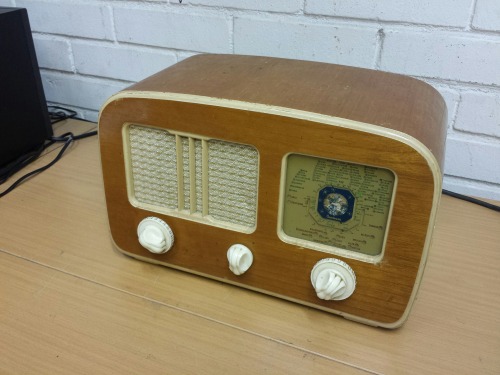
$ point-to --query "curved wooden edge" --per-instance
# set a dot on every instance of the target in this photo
(434, 164)
(365, 95)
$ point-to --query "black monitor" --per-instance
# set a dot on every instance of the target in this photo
(24, 119)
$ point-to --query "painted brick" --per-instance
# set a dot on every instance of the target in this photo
(285, 6)
(184, 55)
(444, 12)
(487, 15)
(473, 160)
(78, 91)
(442, 55)
(90, 115)
(129, 64)
(479, 113)
(451, 97)
(203, 33)
(306, 41)
(83, 20)
(81, 113)
(472, 188)
(53, 54)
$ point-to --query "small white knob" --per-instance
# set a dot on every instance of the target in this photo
(155, 235)
(333, 279)
(240, 259)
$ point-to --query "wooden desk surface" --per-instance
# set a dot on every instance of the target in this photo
(71, 304)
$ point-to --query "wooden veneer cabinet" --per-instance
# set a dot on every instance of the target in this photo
(359, 118)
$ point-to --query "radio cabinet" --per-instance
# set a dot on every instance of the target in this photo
(313, 182)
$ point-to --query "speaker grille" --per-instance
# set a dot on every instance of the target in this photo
(204, 179)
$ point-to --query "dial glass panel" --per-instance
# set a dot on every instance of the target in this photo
(329, 205)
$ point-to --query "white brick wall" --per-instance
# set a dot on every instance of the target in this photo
(479, 113)
(487, 15)
(137, 62)
(80, 91)
(66, 18)
(442, 55)
(174, 30)
(427, 12)
(53, 53)
(317, 41)
(88, 50)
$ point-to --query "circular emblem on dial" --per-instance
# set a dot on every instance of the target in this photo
(335, 204)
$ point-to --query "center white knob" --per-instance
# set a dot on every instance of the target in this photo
(240, 259)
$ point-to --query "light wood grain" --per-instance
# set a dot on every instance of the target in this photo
(391, 100)
(57, 323)
(69, 303)
(240, 99)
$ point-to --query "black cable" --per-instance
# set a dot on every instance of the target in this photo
(39, 170)
(56, 114)
(65, 136)
(472, 200)
(67, 139)
(8, 170)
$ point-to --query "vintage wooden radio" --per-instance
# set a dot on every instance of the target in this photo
(313, 182)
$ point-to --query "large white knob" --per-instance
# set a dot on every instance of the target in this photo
(333, 279)
(240, 259)
(155, 235)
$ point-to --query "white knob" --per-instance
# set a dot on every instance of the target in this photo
(240, 259)
(333, 279)
(155, 235)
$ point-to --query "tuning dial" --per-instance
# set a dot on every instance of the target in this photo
(155, 235)
(333, 279)
(240, 259)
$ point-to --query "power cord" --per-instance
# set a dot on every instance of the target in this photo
(56, 114)
(472, 200)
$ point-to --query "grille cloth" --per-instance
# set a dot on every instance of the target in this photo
(232, 175)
